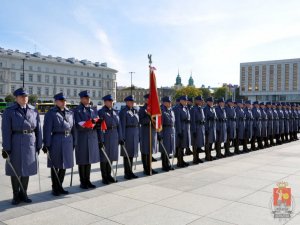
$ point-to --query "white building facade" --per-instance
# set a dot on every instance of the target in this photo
(46, 75)
(276, 80)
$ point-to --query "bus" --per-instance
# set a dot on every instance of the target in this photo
(44, 107)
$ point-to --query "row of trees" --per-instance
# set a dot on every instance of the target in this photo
(10, 98)
(205, 92)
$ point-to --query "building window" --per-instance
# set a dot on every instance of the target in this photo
(256, 81)
(0, 64)
(39, 90)
(88, 82)
(30, 77)
(30, 68)
(295, 76)
(249, 78)
(47, 91)
(287, 76)
(99, 93)
(75, 92)
(279, 77)
(62, 80)
(88, 74)
(94, 94)
(30, 90)
(264, 77)
(47, 79)
(94, 75)
(39, 69)
(107, 75)
(271, 78)
(12, 88)
(21, 76)
(13, 66)
(54, 79)
(13, 76)
(81, 73)
(100, 75)
(107, 84)
(75, 81)
(94, 83)
(68, 80)
(99, 83)
(81, 82)
(68, 92)
(39, 78)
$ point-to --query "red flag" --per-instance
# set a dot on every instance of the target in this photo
(103, 125)
(153, 107)
(88, 123)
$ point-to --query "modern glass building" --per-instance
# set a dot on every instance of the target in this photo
(276, 80)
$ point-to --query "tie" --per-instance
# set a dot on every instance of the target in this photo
(24, 110)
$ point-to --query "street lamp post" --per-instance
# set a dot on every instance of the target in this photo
(131, 82)
(23, 72)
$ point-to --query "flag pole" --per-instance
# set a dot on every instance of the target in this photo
(150, 123)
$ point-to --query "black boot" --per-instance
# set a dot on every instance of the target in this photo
(55, 183)
(266, 142)
(127, 174)
(61, 176)
(245, 147)
(165, 162)
(188, 151)
(227, 147)
(109, 177)
(180, 163)
(82, 173)
(133, 176)
(88, 176)
(16, 189)
(23, 195)
(218, 150)
(104, 173)
(196, 159)
(145, 164)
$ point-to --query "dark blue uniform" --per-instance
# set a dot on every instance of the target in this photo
(21, 139)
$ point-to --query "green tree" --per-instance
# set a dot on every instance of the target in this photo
(9, 98)
(222, 92)
(189, 91)
(32, 99)
(205, 92)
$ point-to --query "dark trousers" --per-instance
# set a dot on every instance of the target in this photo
(165, 161)
(17, 190)
(105, 171)
(57, 183)
(84, 173)
(127, 166)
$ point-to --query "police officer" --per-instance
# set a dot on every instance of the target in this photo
(197, 129)
(231, 125)
(286, 122)
(129, 119)
(221, 127)
(296, 121)
(145, 123)
(210, 127)
(110, 139)
(87, 150)
(21, 142)
(183, 133)
(264, 125)
(240, 127)
(291, 121)
(270, 127)
(189, 106)
(60, 140)
(167, 135)
(281, 122)
(248, 123)
(276, 134)
(256, 127)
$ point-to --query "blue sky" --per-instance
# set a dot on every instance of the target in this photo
(208, 38)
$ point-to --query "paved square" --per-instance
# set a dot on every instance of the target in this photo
(234, 190)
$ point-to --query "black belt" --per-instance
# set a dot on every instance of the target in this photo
(200, 122)
(111, 128)
(168, 126)
(186, 121)
(128, 126)
(23, 131)
(145, 125)
(66, 132)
